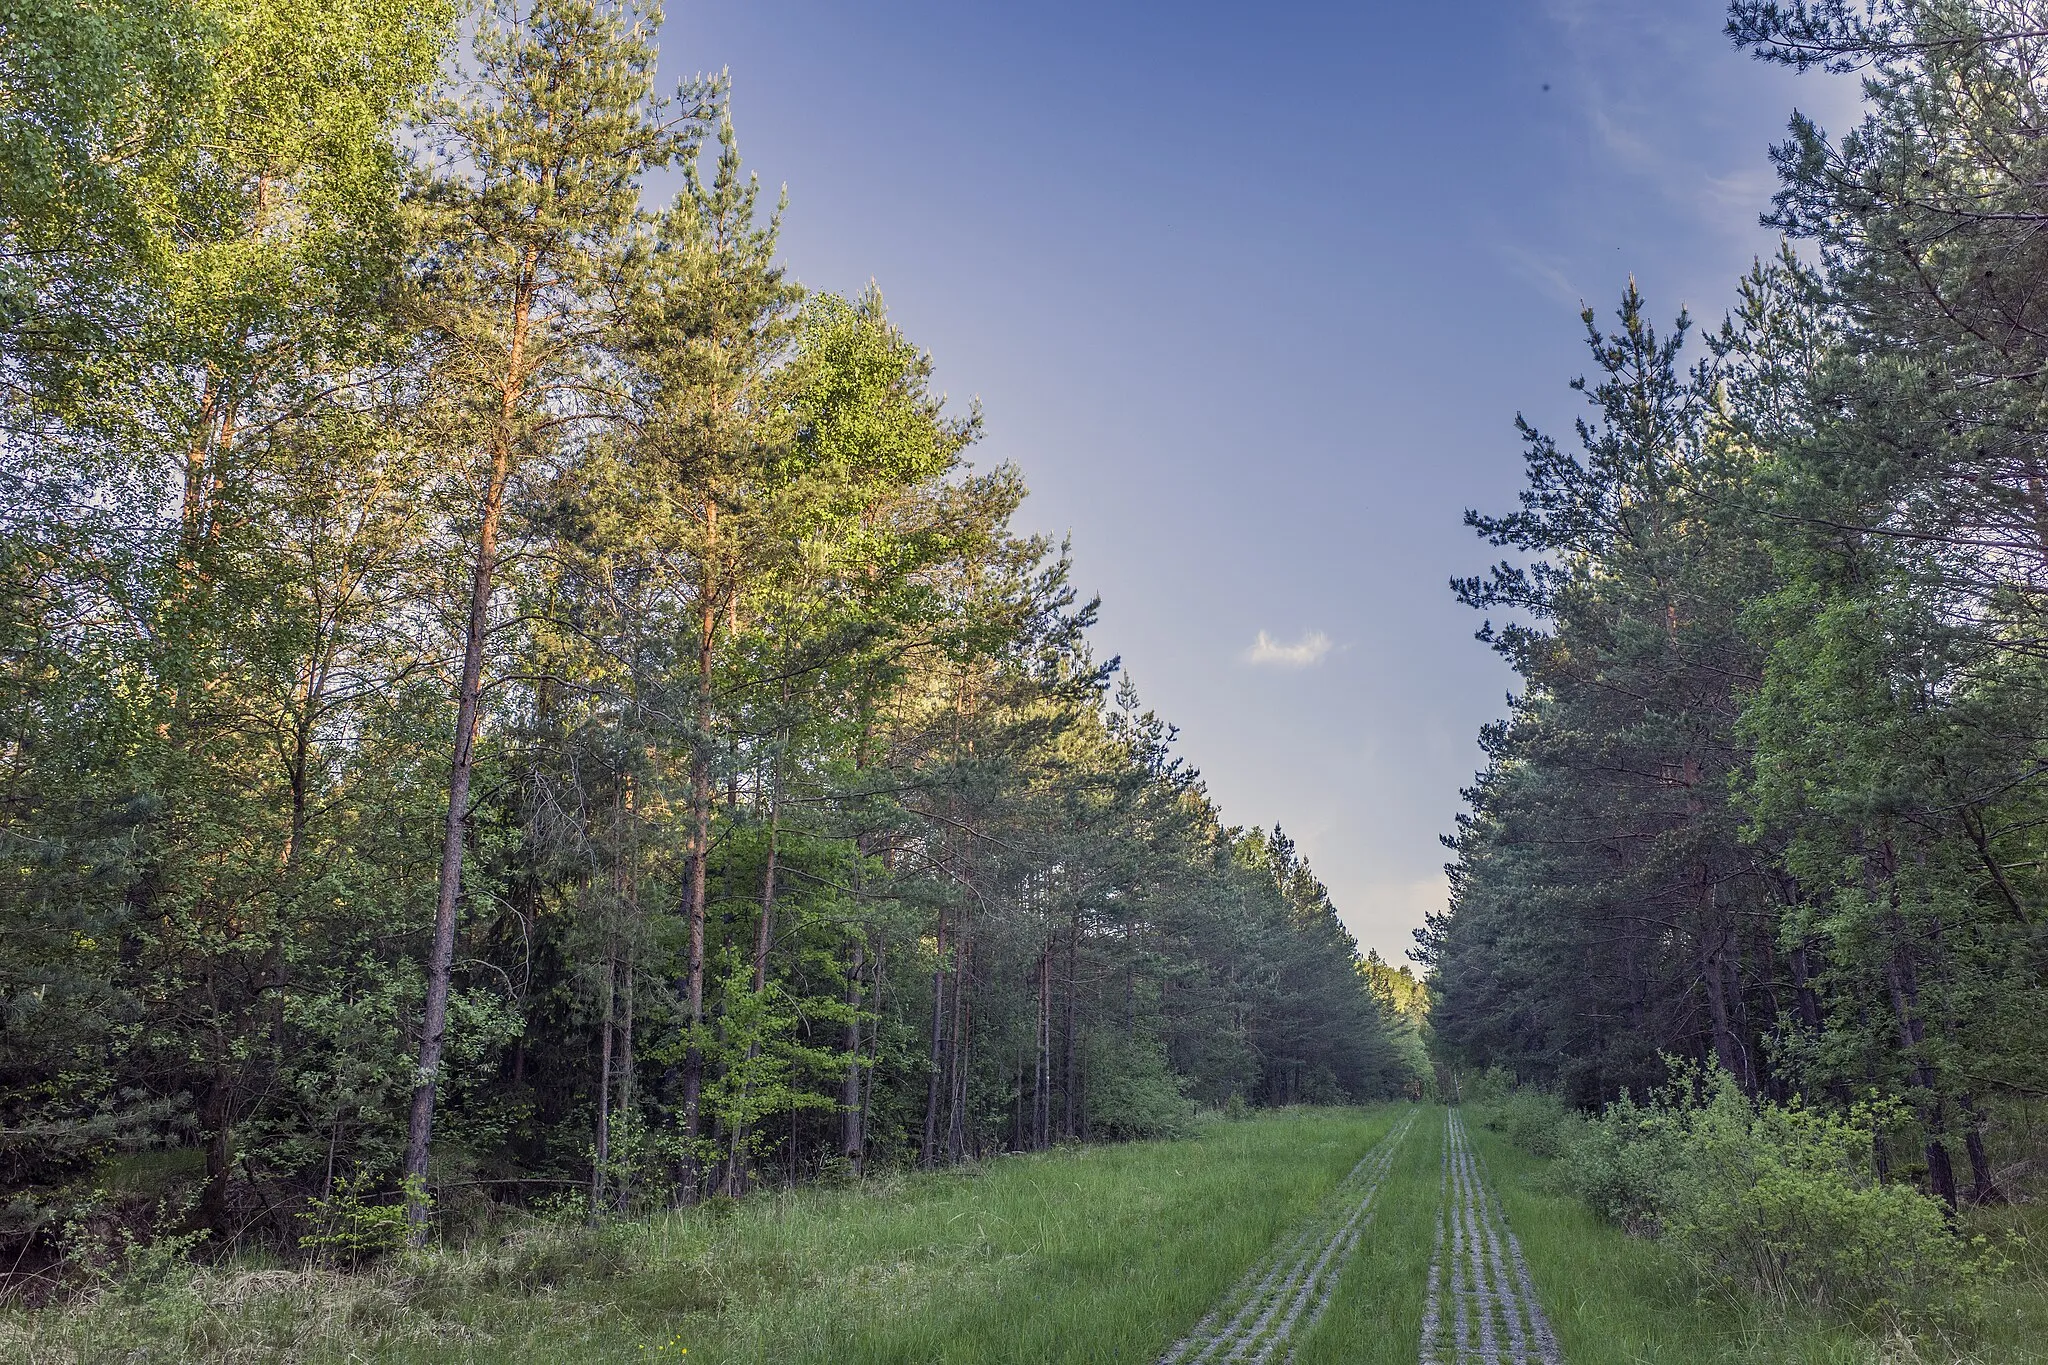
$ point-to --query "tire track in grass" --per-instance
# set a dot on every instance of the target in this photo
(1286, 1291)
(1493, 1316)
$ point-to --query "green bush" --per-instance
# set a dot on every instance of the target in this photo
(1482, 1088)
(102, 1251)
(1132, 1090)
(354, 1224)
(1621, 1162)
(1533, 1120)
(1776, 1199)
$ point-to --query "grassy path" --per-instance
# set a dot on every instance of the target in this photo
(1375, 1316)
(1611, 1299)
(1443, 1279)
(1481, 1306)
(1289, 1288)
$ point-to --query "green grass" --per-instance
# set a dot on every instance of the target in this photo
(1375, 1317)
(1103, 1254)
(1092, 1255)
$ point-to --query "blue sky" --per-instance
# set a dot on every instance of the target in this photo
(1253, 294)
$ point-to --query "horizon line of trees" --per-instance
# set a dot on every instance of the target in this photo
(1772, 796)
(502, 688)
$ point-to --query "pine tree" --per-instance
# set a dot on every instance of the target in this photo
(525, 232)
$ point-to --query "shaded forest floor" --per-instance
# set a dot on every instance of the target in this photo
(1096, 1254)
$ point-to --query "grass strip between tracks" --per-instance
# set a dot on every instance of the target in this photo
(1375, 1317)
(1290, 1287)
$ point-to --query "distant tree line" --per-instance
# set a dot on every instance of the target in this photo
(501, 689)
(1772, 796)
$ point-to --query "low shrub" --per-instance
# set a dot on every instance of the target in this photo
(357, 1222)
(1776, 1199)
(1621, 1163)
(1534, 1120)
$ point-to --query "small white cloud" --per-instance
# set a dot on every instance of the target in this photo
(1309, 649)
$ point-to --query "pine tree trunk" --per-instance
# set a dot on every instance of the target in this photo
(1738, 1006)
(1941, 1173)
(1070, 1083)
(629, 964)
(601, 1154)
(1041, 1094)
(764, 938)
(957, 1101)
(867, 1090)
(930, 1152)
(1983, 1187)
(852, 1145)
(1912, 1033)
(625, 1103)
(441, 955)
(1710, 948)
(1803, 992)
(852, 1134)
(217, 1120)
(764, 933)
(700, 852)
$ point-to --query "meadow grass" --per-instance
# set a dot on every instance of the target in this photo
(1094, 1254)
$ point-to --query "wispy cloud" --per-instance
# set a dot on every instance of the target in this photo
(1659, 89)
(1309, 649)
(1545, 273)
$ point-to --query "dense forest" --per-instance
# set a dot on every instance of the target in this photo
(504, 693)
(1771, 796)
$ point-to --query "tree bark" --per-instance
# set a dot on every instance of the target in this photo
(852, 1131)
(867, 1092)
(929, 1155)
(469, 692)
(1905, 991)
(1712, 967)
(1070, 1082)
(956, 1106)
(1803, 991)
(1041, 1088)
(700, 851)
(441, 955)
(601, 1155)
(1983, 1188)
(764, 938)
(626, 1041)
(852, 1144)
(217, 1119)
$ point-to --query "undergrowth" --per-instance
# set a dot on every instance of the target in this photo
(1772, 1204)
(1090, 1254)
